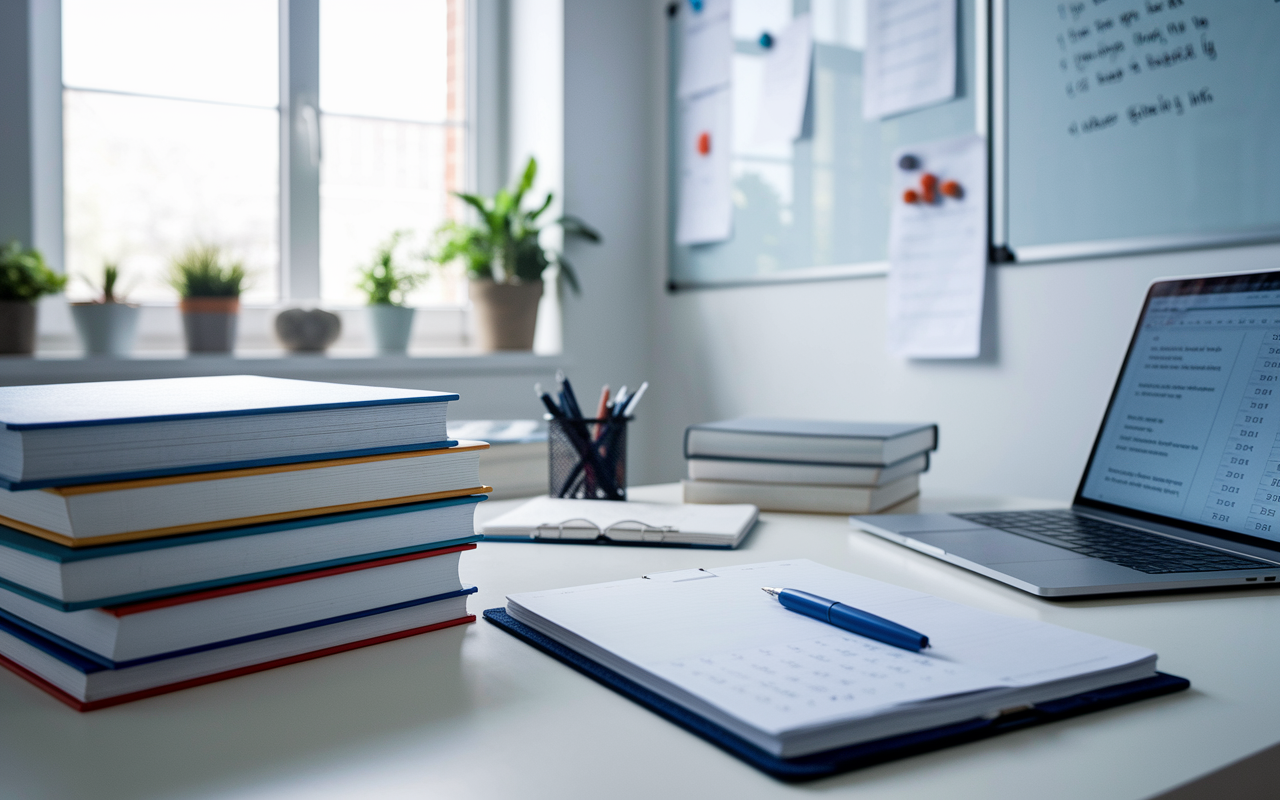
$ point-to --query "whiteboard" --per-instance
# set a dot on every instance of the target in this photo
(1140, 125)
(819, 207)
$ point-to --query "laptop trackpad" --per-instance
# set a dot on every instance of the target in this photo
(990, 546)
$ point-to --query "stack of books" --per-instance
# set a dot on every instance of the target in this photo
(161, 534)
(807, 465)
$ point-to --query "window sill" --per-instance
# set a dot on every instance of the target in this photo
(20, 370)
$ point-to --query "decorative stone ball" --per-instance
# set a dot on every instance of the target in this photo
(307, 330)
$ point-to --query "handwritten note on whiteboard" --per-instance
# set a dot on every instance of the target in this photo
(938, 250)
(910, 60)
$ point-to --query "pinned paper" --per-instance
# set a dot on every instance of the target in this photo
(785, 88)
(938, 250)
(705, 212)
(706, 51)
(910, 59)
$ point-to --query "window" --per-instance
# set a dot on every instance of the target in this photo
(173, 129)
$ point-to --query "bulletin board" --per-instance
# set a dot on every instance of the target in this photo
(819, 207)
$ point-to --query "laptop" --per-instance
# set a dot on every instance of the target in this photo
(1182, 487)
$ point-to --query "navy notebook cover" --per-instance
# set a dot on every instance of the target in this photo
(841, 759)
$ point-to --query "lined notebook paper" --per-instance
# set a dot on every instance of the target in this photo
(712, 641)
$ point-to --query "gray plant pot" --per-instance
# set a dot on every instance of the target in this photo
(17, 328)
(506, 314)
(391, 327)
(210, 323)
(106, 329)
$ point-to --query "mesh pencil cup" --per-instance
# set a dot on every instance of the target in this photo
(588, 458)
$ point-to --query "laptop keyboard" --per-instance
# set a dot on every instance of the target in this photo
(1145, 552)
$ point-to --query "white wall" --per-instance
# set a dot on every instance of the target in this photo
(1020, 420)
(610, 180)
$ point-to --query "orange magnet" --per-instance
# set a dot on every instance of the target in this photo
(911, 196)
(704, 143)
(952, 189)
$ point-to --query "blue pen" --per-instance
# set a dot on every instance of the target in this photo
(850, 618)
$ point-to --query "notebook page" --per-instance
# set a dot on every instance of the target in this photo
(722, 639)
(726, 520)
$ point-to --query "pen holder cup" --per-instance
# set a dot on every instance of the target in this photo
(588, 458)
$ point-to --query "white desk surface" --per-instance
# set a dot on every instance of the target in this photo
(474, 713)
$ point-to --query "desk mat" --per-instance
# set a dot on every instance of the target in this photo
(857, 756)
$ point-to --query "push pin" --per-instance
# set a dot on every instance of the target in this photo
(911, 197)
(766, 40)
(908, 162)
(952, 189)
(929, 187)
(704, 143)
(696, 5)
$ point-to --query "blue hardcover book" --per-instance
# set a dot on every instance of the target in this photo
(86, 684)
(70, 578)
(65, 434)
(810, 441)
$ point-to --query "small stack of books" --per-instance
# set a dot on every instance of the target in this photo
(161, 534)
(807, 465)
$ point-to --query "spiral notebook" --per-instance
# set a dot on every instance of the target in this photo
(555, 519)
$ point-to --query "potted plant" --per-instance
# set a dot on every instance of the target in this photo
(106, 325)
(386, 282)
(210, 291)
(24, 277)
(506, 263)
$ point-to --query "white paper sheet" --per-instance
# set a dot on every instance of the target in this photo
(938, 254)
(706, 49)
(780, 114)
(705, 212)
(910, 60)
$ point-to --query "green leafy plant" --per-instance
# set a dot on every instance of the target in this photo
(24, 275)
(199, 271)
(106, 288)
(386, 281)
(504, 247)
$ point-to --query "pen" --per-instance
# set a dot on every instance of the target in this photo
(630, 410)
(601, 409)
(850, 618)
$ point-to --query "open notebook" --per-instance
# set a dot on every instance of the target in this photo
(710, 641)
(566, 520)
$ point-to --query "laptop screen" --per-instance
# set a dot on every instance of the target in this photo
(1193, 429)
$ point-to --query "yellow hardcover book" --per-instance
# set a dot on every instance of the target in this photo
(148, 508)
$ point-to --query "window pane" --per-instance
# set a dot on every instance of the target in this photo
(393, 132)
(386, 58)
(377, 177)
(220, 50)
(145, 178)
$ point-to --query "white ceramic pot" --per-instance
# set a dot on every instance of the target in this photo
(106, 329)
(391, 327)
